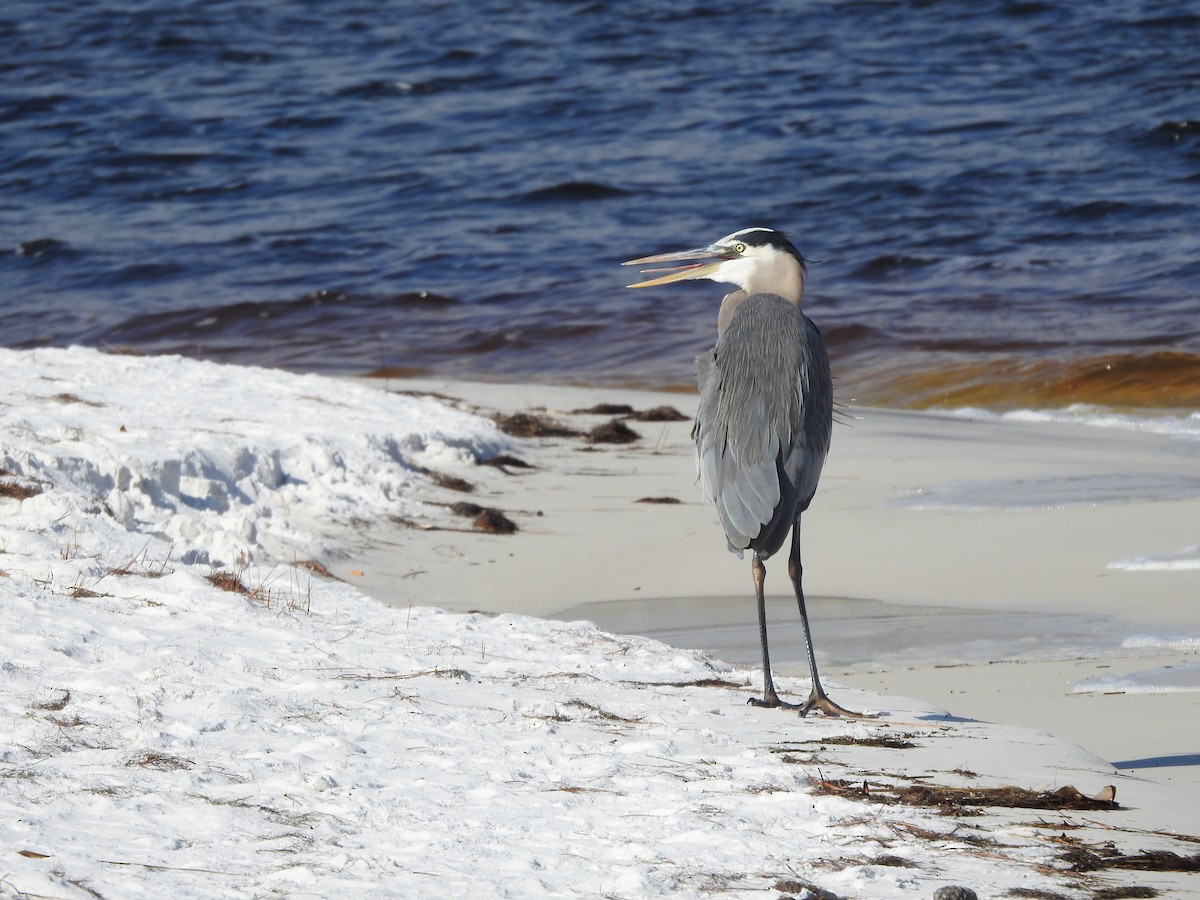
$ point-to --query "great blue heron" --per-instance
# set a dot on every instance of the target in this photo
(766, 411)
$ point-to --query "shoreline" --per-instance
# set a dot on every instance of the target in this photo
(587, 549)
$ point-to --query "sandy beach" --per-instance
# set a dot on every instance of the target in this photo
(965, 561)
(202, 694)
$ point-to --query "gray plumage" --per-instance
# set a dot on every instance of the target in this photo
(765, 416)
(763, 427)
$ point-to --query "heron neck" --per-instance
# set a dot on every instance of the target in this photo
(777, 274)
(734, 299)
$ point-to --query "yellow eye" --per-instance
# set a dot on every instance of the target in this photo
(739, 248)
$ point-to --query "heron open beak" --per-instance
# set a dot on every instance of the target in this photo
(677, 273)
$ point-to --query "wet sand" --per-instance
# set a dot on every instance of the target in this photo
(962, 562)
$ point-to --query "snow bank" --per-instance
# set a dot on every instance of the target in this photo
(222, 461)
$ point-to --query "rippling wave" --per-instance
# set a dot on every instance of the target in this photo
(1001, 196)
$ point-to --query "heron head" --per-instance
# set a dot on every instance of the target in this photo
(757, 260)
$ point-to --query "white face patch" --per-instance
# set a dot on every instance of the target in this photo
(761, 268)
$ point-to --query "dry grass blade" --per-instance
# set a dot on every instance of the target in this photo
(462, 674)
(158, 868)
(577, 789)
(292, 597)
(601, 713)
(138, 564)
(162, 761)
(58, 704)
(79, 592)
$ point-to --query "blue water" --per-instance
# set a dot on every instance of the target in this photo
(448, 187)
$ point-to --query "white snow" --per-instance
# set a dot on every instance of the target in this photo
(223, 460)
(163, 737)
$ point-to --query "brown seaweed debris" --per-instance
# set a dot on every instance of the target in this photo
(526, 425)
(451, 482)
(613, 432)
(485, 518)
(72, 398)
(664, 500)
(495, 522)
(846, 740)
(961, 799)
(15, 491)
(605, 409)
(625, 411)
(313, 566)
(1083, 859)
(805, 889)
(504, 462)
(659, 414)
(698, 682)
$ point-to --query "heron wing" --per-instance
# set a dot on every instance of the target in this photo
(763, 426)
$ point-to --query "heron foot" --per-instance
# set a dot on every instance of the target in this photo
(818, 699)
(770, 699)
(772, 702)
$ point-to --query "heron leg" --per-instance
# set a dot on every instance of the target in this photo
(817, 698)
(769, 698)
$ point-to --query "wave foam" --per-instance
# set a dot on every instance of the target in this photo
(1163, 680)
(1052, 493)
(1177, 561)
(1185, 426)
(1161, 642)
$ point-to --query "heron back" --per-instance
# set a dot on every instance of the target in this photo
(763, 427)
